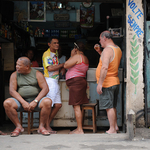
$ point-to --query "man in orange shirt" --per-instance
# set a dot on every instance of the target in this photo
(107, 78)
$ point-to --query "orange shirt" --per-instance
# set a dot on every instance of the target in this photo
(111, 78)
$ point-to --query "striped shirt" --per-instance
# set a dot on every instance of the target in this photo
(78, 70)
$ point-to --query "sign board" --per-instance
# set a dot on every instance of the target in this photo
(62, 24)
(8, 56)
(61, 17)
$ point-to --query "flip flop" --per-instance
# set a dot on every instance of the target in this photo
(16, 132)
(53, 132)
(42, 131)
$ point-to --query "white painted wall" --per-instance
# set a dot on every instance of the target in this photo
(134, 57)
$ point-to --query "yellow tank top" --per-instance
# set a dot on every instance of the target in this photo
(112, 73)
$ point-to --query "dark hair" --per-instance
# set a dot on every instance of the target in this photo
(80, 46)
(107, 34)
(30, 50)
(33, 49)
(51, 38)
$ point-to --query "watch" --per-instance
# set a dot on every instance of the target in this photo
(36, 100)
(87, 4)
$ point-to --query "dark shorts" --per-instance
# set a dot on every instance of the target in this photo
(108, 99)
(20, 108)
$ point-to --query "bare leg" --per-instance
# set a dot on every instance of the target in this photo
(54, 111)
(44, 114)
(112, 120)
(78, 116)
(10, 108)
(116, 126)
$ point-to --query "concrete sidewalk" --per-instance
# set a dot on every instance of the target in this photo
(98, 141)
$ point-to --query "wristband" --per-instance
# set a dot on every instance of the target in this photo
(36, 100)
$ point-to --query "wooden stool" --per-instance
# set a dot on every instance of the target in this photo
(30, 120)
(90, 106)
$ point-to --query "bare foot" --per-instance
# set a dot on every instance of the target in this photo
(71, 132)
(2, 133)
(117, 129)
(76, 131)
(111, 131)
(51, 131)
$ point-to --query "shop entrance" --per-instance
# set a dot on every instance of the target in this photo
(68, 32)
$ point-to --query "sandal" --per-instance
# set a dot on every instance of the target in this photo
(53, 132)
(43, 131)
(16, 132)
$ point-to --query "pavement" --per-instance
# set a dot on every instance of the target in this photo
(88, 141)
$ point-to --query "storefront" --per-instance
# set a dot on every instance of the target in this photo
(70, 22)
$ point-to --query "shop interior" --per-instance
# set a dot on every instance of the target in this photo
(24, 27)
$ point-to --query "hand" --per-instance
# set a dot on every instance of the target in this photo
(97, 48)
(99, 89)
(62, 65)
(63, 71)
(26, 106)
(73, 52)
(32, 105)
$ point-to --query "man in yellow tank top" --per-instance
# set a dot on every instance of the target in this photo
(107, 78)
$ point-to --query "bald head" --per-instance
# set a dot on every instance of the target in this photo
(26, 61)
(107, 34)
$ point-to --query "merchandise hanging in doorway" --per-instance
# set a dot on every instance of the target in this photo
(87, 16)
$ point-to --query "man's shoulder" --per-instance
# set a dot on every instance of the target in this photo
(33, 69)
(38, 73)
(14, 74)
(46, 53)
(107, 50)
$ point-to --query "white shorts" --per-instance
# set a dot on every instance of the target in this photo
(54, 91)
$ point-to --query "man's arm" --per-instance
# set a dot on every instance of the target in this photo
(63, 71)
(42, 84)
(44, 89)
(55, 68)
(106, 59)
(13, 91)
